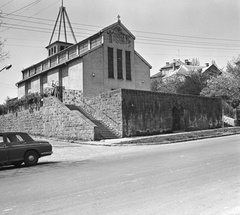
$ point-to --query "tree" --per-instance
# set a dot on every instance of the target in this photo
(195, 62)
(167, 85)
(3, 54)
(233, 67)
(193, 84)
(225, 86)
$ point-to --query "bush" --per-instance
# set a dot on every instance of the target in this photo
(31, 101)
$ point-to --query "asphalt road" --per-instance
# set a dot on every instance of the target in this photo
(196, 177)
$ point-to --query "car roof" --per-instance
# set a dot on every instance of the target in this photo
(12, 132)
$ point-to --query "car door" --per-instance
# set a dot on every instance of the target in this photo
(3, 150)
(16, 147)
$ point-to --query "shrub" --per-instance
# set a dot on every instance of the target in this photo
(31, 101)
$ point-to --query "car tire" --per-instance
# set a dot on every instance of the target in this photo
(17, 163)
(31, 158)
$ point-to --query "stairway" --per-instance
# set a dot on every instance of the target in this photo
(102, 131)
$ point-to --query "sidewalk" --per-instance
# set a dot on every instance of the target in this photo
(167, 138)
(79, 151)
(156, 139)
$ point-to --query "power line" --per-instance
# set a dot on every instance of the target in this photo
(188, 46)
(27, 7)
(185, 36)
(34, 14)
(53, 21)
(6, 86)
(6, 4)
(47, 24)
(143, 32)
(149, 42)
(152, 38)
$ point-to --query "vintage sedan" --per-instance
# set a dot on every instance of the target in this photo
(19, 147)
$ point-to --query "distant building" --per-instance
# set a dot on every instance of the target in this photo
(103, 62)
(178, 67)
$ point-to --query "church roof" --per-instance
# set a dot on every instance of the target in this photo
(116, 24)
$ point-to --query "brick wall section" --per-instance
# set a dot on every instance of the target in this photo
(107, 107)
(52, 120)
(154, 113)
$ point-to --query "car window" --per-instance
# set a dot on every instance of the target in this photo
(14, 138)
(26, 137)
(19, 137)
(1, 139)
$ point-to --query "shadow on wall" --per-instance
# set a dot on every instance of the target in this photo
(178, 119)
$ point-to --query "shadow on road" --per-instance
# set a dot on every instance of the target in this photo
(11, 167)
(46, 164)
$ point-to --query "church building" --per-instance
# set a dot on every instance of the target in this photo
(103, 62)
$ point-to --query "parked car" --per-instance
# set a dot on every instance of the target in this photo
(19, 147)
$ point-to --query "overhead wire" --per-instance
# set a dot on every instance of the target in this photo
(144, 37)
(145, 40)
(6, 4)
(25, 7)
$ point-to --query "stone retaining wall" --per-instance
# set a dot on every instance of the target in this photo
(52, 120)
(126, 112)
(106, 107)
(147, 113)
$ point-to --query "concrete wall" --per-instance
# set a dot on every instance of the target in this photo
(52, 75)
(154, 113)
(93, 81)
(75, 75)
(142, 74)
(21, 90)
(35, 84)
(52, 120)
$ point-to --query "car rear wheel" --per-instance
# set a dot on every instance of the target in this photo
(31, 158)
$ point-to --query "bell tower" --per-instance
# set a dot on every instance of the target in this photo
(58, 45)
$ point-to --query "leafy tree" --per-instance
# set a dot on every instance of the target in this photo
(154, 85)
(233, 67)
(195, 62)
(168, 85)
(193, 84)
(225, 86)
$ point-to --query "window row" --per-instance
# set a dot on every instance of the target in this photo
(119, 64)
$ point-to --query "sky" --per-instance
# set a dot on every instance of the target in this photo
(164, 29)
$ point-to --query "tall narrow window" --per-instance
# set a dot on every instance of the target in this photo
(110, 63)
(128, 65)
(119, 64)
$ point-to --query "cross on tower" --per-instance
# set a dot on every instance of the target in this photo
(119, 18)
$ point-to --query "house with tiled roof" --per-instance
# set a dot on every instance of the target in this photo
(182, 69)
